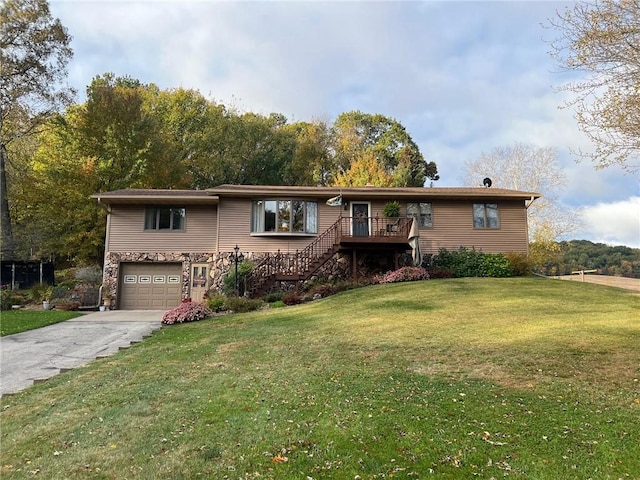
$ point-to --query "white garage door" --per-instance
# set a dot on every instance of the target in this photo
(150, 286)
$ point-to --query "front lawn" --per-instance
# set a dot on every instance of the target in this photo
(448, 379)
(16, 321)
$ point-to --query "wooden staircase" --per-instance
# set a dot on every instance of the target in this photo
(293, 267)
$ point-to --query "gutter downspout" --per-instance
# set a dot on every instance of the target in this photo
(527, 204)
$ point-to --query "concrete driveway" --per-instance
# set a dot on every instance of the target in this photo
(40, 354)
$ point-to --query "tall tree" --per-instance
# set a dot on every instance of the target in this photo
(364, 170)
(311, 162)
(117, 139)
(34, 52)
(601, 39)
(356, 134)
(533, 169)
(119, 130)
(245, 148)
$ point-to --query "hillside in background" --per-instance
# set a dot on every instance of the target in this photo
(575, 255)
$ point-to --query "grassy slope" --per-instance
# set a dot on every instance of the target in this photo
(525, 378)
(16, 321)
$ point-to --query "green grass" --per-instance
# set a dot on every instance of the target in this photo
(448, 379)
(16, 321)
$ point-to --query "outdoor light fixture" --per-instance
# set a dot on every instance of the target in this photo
(237, 257)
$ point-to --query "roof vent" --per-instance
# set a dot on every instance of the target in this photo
(486, 182)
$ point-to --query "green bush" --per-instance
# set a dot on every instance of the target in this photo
(229, 279)
(6, 300)
(520, 264)
(242, 304)
(391, 209)
(273, 297)
(216, 302)
(471, 263)
(40, 292)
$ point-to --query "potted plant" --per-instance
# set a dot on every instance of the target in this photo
(391, 209)
(46, 297)
(65, 304)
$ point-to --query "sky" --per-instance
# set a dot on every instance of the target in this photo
(462, 77)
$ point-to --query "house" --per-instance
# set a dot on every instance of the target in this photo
(166, 245)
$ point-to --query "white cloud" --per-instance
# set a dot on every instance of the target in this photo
(616, 223)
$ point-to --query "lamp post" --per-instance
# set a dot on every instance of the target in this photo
(237, 257)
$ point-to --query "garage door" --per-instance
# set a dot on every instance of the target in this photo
(150, 286)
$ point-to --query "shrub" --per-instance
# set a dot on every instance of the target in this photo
(519, 263)
(216, 302)
(278, 304)
(6, 300)
(292, 298)
(273, 297)
(440, 273)
(471, 263)
(186, 312)
(242, 304)
(40, 292)
(91, 275)
(404, 274)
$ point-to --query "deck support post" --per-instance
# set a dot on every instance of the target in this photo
(354, 265)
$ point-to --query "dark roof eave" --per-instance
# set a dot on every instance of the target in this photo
(372, 192)
(150, 197)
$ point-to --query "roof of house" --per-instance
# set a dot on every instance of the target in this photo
(156, 196)
(370, 192)
(212, 196)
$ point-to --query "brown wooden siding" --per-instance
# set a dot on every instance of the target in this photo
(453, 228)
(127, 234)
(235, 228)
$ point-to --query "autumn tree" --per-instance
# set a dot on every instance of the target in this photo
(364, 170)
(356, 134)
(116, 139)
(34, 53)
(532, 169)
(600, 40)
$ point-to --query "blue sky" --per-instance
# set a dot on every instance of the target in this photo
(462, 77)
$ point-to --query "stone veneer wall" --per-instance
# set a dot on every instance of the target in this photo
(114, 259)
(337, 268)
(219, 264)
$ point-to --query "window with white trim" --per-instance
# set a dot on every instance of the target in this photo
(284, 216)
(485, 215)
(421, 211)
(164, 218)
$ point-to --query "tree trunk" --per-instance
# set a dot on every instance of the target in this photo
(7, 247)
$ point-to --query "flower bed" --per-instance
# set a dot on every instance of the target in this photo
(404, 274)
(186, 312)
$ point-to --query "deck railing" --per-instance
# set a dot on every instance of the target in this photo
(375, 226)
(301, 264)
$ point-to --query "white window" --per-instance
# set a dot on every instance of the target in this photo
(421, 211)
(284, 216)
(164, 218)
(485, 215)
